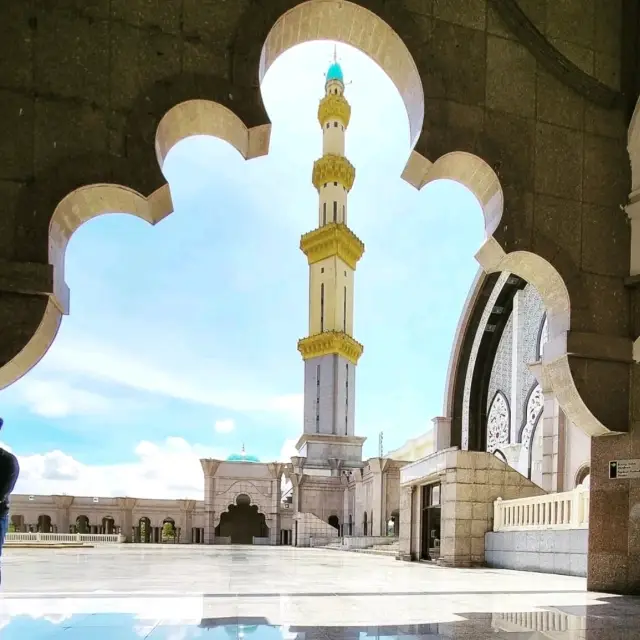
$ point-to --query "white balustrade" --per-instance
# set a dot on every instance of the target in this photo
(567, 510)
(77, 538)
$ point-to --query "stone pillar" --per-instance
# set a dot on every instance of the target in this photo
(552, 422)
(126, 506)
(406, 523)
(63, 503)
(275, 469)
(614, 513)
(378, 467)
(209, 468)
(517, 364)
(358, 507)
(441, 433)
(187, 509)
(297, 479)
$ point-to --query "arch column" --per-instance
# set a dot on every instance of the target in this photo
(378, 499)
(552, 422)
(276, 470)
(63, 503)
(209, 468)
(126, 506)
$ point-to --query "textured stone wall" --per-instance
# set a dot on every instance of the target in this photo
(563, 552)
(500, 378)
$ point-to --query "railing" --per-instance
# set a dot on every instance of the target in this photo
(77, 538)
(568, 510)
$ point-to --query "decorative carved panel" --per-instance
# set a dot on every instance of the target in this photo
(498, 423)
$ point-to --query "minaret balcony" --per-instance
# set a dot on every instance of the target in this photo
(333, 168)
(333, 239)
(334, 107)
(330, 342)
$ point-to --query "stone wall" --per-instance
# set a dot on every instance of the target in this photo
(563, 552)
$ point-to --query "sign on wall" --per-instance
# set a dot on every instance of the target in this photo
(620, 469)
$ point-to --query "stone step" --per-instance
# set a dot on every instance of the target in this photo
(392, 553)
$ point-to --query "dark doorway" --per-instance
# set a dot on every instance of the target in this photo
(430, 534)
(82, 525)
(44, 524)
(334, 522)
(242, 522)
(365, 523)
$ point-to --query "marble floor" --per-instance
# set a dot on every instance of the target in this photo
(179, 593)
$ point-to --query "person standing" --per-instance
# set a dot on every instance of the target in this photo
(9, 472)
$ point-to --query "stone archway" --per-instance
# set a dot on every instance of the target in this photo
(195, 114)
(83, 524)
(242, 522)
(44, 524)
(467, 114)
(144, 530)
(108, 525)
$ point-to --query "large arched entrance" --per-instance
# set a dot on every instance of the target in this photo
(242, 522)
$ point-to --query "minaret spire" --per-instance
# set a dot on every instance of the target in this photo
(330, 352)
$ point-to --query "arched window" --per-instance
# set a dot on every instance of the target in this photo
(543, 336)
(535, 404)
(498, 422)
(334, 522)
(583, 476)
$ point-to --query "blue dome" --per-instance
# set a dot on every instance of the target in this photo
(335, 73)
(242, 457)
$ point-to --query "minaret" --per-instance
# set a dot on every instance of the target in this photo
(330, 352)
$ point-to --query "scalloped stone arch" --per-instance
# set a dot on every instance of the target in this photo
(203, 117)
(351, 24)
(555, 296)
(338, 20)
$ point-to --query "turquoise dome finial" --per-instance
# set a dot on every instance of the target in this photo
(335, 73)
(242, 457)
(335, 70)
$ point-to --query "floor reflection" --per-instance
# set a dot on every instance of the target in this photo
(611, 618)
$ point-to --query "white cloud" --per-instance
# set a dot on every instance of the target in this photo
(288, 451)
(170, 469)
(58, 399)
(197, 381)
(224, 426)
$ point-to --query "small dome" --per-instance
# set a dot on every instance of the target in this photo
(335, 73)
(242, 457)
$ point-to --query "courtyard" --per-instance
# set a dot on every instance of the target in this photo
(183, 592)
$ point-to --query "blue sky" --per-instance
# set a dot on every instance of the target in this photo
(182, 337)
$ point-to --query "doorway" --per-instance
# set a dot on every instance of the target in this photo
(242, 522)
(430, 533)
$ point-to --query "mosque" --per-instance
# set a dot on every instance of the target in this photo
(331, 490)
(512, 439)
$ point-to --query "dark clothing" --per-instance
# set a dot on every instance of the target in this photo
(9, 472)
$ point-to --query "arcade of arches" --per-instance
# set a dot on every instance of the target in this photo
(527, 107)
